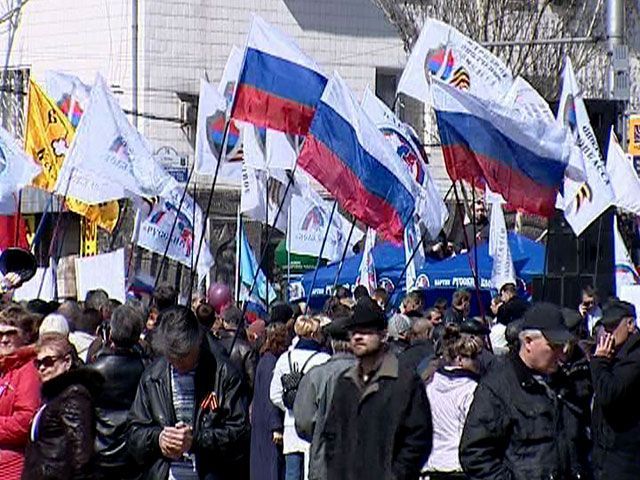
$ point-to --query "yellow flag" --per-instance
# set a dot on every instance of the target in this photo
(49, 134)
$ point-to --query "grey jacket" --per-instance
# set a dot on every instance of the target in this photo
(312, 406)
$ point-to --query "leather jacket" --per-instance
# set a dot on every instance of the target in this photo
(243, 356)
(220, 435)
(121, 369)
(61, 445)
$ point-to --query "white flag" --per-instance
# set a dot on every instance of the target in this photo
(212, 117)
(624, 178)
(69, 92)
(260, 204)
(595, 195)
(626, 273)
(411, 240)
(17, 169)
(444, 52)
(367, 270)
(503, 271)
(282, 149)
(111, 152)
(309, 221)
(430, 208)
(183, 248)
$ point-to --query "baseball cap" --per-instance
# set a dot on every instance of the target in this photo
(614, 311)
(547, 318)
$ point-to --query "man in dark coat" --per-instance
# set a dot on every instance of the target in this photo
(512, 306)
(460, 307)
(190, 411)
(379, 422)
(520, 425)
(615, 371)
(242, 356)
(120, 363)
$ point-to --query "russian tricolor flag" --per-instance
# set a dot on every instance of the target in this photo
(279, 85)
(486, 143)
(350, 157)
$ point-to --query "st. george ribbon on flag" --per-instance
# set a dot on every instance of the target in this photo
(279, 84)
(487, 143)
(350, 157)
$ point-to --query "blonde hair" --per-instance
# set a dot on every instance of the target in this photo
(56, 341)
(307, 327)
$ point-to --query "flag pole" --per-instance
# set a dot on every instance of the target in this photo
(266, 233)
(287, 244)
(173, 228)
(238, 253)
(18, 217)
(344, 253)
(223, 154)
(466, 242)
(475, 240)
(324, 242)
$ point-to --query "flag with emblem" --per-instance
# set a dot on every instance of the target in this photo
(48, 135)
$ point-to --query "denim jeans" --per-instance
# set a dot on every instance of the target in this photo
(294, 466)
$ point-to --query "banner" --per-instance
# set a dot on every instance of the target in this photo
(70, 94)
(88, 238)
(249, 268)
(155, 232)
(111, 152)
(443, 52)
(90, 274)
(411, 240)
(48, 136)
(595, 195)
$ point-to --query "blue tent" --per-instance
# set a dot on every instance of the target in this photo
(438, 278)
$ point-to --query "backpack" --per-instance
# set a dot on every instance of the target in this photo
(291, 380)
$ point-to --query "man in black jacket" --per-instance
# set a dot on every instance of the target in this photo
(120, 363)
(615, 371)
(523, 423)
(190, 415)
(242, 356)
(512, 307)
(379, 422)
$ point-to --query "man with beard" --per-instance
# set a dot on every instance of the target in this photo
(379, 422)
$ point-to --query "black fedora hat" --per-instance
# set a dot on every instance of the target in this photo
(19, 261)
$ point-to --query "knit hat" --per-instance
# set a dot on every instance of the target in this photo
(54, 323)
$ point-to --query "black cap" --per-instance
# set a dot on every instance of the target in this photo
(474, 327)
(366, 315)
(614, 311)
(547, 318)
(572, 318)
(337, 329)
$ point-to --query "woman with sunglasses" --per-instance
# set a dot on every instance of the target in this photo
(19, 389)
(62, 432)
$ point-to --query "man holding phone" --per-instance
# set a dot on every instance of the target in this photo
(589, 309)
(615, 371)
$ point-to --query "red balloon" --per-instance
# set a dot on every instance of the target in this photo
(219, 297)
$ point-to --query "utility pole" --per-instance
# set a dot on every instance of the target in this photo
(618, 83)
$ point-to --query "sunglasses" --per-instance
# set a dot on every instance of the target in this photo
(47, 362)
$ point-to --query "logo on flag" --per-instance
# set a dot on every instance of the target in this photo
(313, 219)
(215, 136)
(387, 284)
(422, 281)
(406, 151)
(440, 62)
(583, 196)
(73, 113)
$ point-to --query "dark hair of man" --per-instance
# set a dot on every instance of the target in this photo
(138, 306)
(440, 303)
(341, 346)
(459, 296)
(178, 332)
(359, 292)
(415, 297)
(71, 310)
(590, 291)
(232, 317)
(96, 299)
(206, 315)
(338, 310)
(40, 307)
(164, 296)
(126, 326)
(342, 292)
(509, 288)
(276, 339)
(89, 321)
(381, 293)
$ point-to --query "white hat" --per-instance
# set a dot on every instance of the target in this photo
(54, 323)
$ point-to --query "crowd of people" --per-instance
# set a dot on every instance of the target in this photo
(99, 389)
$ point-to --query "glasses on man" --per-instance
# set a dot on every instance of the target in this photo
(46, 362)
